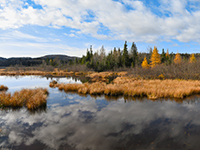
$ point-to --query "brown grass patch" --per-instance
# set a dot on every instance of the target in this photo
(3, 88)
(53, 84)
(123, 73)
(32, 99)
(132, 87)
(101, 76)
(55, 73)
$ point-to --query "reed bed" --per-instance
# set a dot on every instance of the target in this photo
(3, 88)
(32, 99)
(132, 87)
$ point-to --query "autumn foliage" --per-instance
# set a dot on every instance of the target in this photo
(177, 59)
(145, 63)
(155, 57)
(192, 58)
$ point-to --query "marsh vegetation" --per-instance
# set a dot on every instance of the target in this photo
(32, 99)
(134, 87)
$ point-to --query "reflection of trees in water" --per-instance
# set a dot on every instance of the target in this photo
(189, 100)
(83, 79)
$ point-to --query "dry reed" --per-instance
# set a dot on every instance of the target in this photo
(32, 99)
(53, 84)
(153, 89)
(3, 88)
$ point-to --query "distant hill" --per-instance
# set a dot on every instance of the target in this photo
(1, 58)
(28, 61)
(60, 57)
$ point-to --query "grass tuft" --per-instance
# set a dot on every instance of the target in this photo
(53, 84)
(3, 88)
(32, 99)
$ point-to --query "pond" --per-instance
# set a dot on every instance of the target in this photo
(74, 122)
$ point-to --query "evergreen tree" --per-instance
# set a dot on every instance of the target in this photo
(119, 59)
(115, 57)
(163, 56)
(177, 59)
(192, 58)
(145, 63)
(91, 52)
(88, 56)
(134, 54)
(125, 56)
(155, 57)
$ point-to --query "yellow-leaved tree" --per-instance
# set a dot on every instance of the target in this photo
(192, 58)
(177, 59)
(155, 57)
(145, 63)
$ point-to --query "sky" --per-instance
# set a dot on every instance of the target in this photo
(33, 28)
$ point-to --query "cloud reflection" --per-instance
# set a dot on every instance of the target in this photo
(83, 125)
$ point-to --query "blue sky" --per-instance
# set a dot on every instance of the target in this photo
(32, 28)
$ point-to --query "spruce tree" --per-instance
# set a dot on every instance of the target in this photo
(163, 57)
(119, 59)
(134, 54)
(91, 52)
(87, 59)
(125, 56)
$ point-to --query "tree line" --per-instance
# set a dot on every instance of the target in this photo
(125, 58)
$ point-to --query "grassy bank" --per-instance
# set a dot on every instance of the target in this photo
(32, 99)
(133, 87)
(3, 72)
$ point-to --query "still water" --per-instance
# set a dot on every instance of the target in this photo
(74, 122)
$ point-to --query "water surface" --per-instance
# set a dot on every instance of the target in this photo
(74, 122)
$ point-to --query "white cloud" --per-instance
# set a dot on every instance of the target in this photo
(56, 40)
(139, 24)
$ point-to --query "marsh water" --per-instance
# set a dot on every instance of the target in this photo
(75, 122)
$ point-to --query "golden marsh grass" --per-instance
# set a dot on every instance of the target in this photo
(42, 73)
(32, 99)
(127, 86)
(104, 76)
(53, 84)
(3, 88)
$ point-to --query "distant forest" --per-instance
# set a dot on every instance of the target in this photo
(48, 60)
